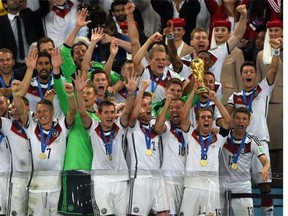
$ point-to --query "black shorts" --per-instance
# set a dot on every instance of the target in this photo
(75, 197)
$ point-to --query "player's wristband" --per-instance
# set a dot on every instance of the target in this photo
(276, 52)
(170, 36)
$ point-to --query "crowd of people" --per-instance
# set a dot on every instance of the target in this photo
(117, 107)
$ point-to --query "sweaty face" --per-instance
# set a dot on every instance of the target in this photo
(101, 82)
(78, 54)
(200, 41)
(6, 63)
(221, 34)
(248, 77)
(107, 117)
(119, 13)
(205, 122)
(241, 121)
(43, 68)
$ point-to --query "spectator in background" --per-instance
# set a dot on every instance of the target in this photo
(118, 14)
(30, 25)
(275, 114)
(187, 10)
(60, 21)
(224, 11)
(102, 52)
(230, 71)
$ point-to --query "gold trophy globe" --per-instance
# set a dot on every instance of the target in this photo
(197, 66)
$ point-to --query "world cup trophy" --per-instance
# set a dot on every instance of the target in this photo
(197, 66)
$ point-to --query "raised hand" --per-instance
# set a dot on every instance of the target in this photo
(132, 82)
(168, 29)
(242, 9)
(156, 37)
(31, 59)
(169, 98)
(97, 34)
(16, 85)
(81, 18)
(276, 43)
(114, 47)
(79, 82)
(56, 58)
(144, 84)
(68, 87)
(129, 8)
(49, 95)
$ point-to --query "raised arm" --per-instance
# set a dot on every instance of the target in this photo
(275, 44)
(72, 108)
(56, 60)
(240, 29)
(18, 102)
(31, 62)
(156, 37)
(225, 115)
(96, 36)
(137, 103)
(185, 118)
(80, 84)
(80, 22)
(160, 126)
(172, 51)
(113, 52)
(131, 86)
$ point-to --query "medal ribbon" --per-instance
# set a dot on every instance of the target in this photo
(1, 137)
(153, 87)
(147, 136)
(44, 143)
(203, 149)
(40, 89)
(108, 146)
(20, 127)
(235, 157)
(248, 104)
(180, 136)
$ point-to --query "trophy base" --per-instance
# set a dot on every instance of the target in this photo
(202, 90)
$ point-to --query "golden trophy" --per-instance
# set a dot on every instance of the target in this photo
(197, 66)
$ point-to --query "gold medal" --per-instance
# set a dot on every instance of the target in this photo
(251, 116)
(203, 162)
(153, 95)
(110, 157)
(42, 155)
(148, 152)
(234, 166)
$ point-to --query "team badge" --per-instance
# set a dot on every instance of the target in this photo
(55, 133)
(136, 209)
(104, 211)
